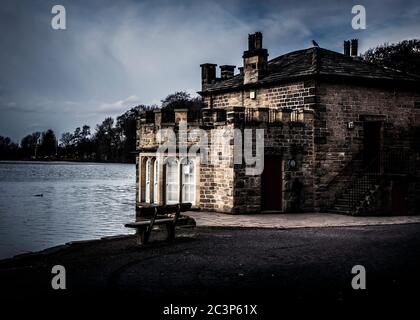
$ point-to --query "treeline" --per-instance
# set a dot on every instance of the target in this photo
(404, 55)
(33, 146)
(114, 140)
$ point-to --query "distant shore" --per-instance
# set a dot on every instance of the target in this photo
(59, 160)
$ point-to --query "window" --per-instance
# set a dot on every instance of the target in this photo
(188, 181)
(155, 181)
(172, 181)
(147, 184)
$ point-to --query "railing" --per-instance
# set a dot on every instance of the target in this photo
(396, 160)
(251, 115)
(248, 115)
(360, 188)
(353, 166)
(361, 174)
(294, 115)
(272, 115)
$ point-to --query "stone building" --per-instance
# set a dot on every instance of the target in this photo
(340, 134)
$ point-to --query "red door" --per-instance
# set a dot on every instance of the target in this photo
(271, 184)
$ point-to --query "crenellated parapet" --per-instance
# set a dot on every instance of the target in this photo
(150, 122)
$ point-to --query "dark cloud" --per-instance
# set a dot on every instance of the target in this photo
(115, 54)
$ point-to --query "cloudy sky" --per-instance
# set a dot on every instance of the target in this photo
(117, 54)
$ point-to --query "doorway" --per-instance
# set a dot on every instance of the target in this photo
(271, 184)
(372, 142)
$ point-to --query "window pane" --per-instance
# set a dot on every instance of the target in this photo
(155, 181)
(172, 181)
(188, 182)
(147, 189)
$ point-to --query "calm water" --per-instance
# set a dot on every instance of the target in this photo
(80, 201)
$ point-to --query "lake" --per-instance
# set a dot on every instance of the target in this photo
(79, 201)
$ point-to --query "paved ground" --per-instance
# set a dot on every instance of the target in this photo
(269, 267)
(285, 221)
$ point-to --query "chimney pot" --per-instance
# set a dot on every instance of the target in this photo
(227, 71)
(354, 47)
(255, 41)
(258, 40)
(347, 48)
(208, 74)
(251, 41)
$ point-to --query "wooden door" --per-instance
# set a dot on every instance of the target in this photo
(271, 184)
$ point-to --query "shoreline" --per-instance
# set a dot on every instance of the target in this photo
(60, 247)
(300, 265)
(61, 161)
(202, 224)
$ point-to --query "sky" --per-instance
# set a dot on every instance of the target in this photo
(114, 55)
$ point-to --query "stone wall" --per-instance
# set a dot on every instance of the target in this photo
(338, 104)
(289, 141)
(280, 139)
(217, 176)
(291, 95)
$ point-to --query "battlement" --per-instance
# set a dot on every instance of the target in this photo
(217, 116)
(150, 122)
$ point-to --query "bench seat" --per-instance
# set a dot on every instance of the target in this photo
(146, 218)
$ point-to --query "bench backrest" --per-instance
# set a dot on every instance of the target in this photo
(149, 211)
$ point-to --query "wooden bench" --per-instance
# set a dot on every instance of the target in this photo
(150, 216)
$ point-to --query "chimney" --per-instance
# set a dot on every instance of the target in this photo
(353, 47)
(258, 40)
(347, 48)
(227, 71)
(251, 41)
(208, 74)
(255, 59)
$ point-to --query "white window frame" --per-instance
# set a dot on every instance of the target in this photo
(147, 181)
(155, 181)
(191, 164)
(169, 164)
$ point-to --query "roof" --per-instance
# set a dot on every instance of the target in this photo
(313, 62)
